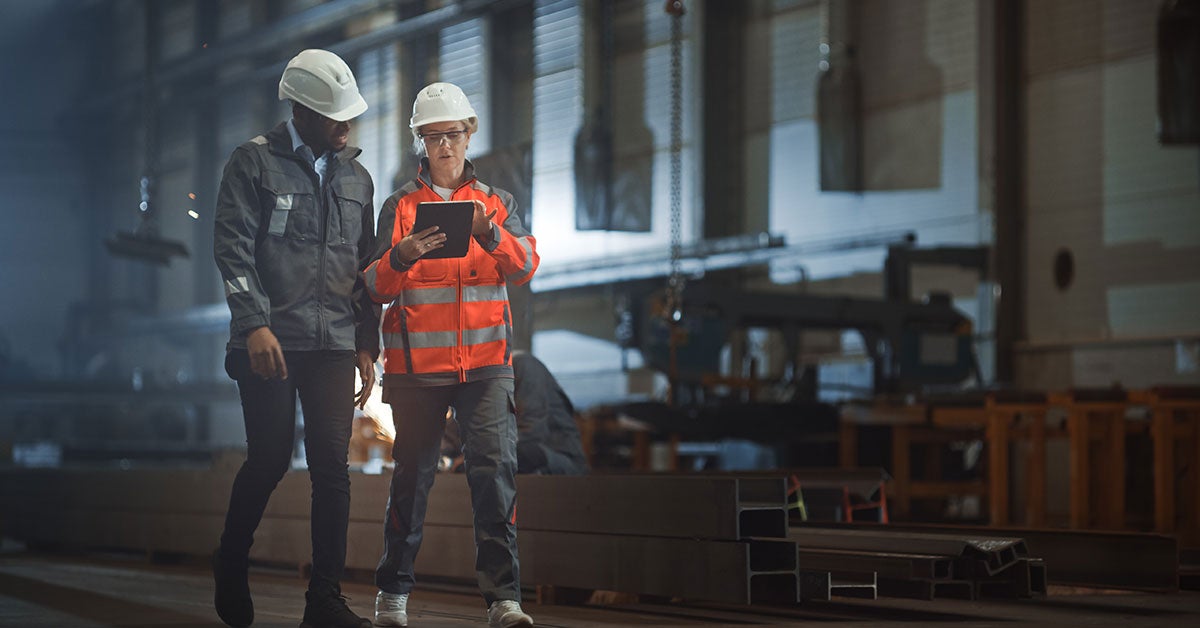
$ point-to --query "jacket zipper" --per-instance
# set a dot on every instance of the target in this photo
(322, 186)
(462, 348)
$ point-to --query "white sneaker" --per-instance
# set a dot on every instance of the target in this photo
(391, 609)
(508, 614)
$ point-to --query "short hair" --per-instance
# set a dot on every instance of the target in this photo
(471, 123)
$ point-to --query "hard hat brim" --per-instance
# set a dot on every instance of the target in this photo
(349, 113)
(436, 119)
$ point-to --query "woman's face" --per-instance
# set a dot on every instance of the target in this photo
(446, 145)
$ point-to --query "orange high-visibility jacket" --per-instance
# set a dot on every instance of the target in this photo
(449, 320)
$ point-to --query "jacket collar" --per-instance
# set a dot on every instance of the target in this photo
(423, 172)
(279, 140)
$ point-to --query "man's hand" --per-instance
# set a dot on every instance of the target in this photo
(414, 245)
(366, 371)
(266, 356)
(481, 222)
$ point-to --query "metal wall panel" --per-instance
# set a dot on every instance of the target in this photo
(176, 29)
(1101, 187)
(1062, 35)
(558, 114)
(920, 138)
(793, 85)
(558, 41)
(912, 51)
(464, 62)
(379, 131)
(128, 46)
(234, 17)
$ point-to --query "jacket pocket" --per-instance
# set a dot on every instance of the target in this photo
(351, 197)
(279, 215)
(291, 209)
(430, 270)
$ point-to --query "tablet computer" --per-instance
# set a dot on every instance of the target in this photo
(453, 218)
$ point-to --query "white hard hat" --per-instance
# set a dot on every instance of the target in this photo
(440, 102)
(321, 81)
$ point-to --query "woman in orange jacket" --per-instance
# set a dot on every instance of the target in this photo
(448, 342)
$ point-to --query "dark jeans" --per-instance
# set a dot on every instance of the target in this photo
(325, 383)
(489, 435)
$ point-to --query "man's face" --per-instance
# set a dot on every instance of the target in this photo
(320, 133)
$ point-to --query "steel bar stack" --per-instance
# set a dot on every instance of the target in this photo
(1089, 558)
(924, 566)
(720, 539)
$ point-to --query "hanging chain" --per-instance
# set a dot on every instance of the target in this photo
(675, 284)
(148, 225)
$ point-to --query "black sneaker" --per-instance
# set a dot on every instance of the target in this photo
(232, 597)
(330, 611)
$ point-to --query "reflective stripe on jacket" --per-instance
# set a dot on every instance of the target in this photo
(290, 250)
(449, 320)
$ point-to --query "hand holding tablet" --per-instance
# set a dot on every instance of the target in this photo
(453, 221)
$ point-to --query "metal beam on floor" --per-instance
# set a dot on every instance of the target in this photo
(1106, 559)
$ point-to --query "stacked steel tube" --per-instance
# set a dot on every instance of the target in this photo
(720, 539)
(924, 565)
(716, 538)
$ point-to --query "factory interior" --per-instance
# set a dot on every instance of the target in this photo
(864, 311)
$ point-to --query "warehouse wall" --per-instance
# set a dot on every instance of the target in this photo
(1098, 184)
(917, 64)
(642, 100)
(195, 129)
(1101, 187)
(45, 206)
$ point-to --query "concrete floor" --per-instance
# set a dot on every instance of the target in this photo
(40, 591)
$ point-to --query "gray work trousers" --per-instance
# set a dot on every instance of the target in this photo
(488, 427)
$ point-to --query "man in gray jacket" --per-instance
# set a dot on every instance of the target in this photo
(294, 229)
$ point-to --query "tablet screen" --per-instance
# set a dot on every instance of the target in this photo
(452, 218)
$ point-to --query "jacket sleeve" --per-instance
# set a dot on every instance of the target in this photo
(236, 227)
(384, 273)
(366, 310)
(512, 247)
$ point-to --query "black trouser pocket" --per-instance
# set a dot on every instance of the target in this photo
(237, 364)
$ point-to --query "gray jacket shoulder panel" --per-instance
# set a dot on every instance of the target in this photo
(408, 188)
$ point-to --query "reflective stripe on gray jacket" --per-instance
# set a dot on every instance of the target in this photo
(291, 251)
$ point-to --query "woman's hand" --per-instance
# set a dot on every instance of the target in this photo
(417, 244)
(481, 222)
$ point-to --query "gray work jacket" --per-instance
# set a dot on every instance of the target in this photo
(291, 250)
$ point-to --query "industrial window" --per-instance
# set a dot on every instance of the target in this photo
(378, 130)
(641, 115)
(463, 60)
